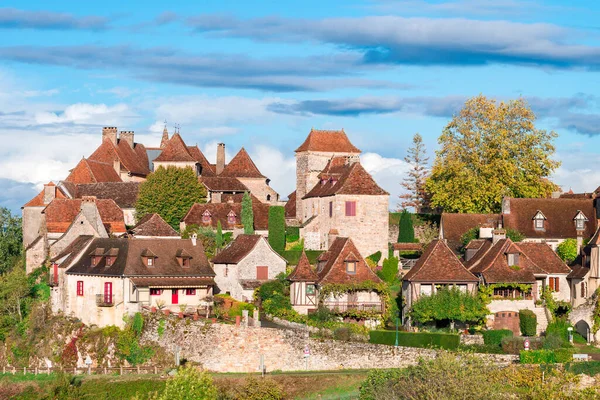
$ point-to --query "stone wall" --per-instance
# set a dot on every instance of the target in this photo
(227, 348)
(259, 188)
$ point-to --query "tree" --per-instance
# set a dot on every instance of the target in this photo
(490, 150)
(14, 290)
(416, 196)
(428, 232)
(277, 228)
(389, 271)
(219, 236)
(170, 192)
(11, 240)
(567, 250)
(406, 232)
(247, 214)
(190, 384)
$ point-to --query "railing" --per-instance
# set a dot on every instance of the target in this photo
(408, 263)
(343, 307)
(105, 300)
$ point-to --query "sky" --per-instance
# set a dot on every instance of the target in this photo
(261, 74)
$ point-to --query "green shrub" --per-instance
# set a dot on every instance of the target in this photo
(375, 257)
(406, 232)
(237, 308)
(323, 314)
(342, 333)
(568, 250)
(493, 337)
(292, 256)
(590, 368)
(420, 339)
(376, 379)
(277, 228)
(259, 389)
(292, 234)
(190, 383)
(138, 323)
(389, 272)
(559, 327)
(514, 345)
(545, 356)
(527, 322)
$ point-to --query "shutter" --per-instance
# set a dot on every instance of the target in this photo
(348, 208)
(262, 273)
(556, 284)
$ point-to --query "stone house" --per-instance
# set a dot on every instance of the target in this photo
(244, 265)
(32, 212)
(102, 279)
(304, 294)
(341, 264)
(153, 226)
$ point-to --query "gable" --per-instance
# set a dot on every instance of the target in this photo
(439, 264)
(334, 271)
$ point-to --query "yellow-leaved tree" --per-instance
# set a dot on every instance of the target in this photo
(490, 150)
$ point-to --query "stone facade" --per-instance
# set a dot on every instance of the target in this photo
(260, 188)
(33, 220)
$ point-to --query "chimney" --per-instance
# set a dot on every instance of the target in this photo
(506, 205)
(165, 138)
(498, 234)
(117, 166)
(220, 158)
(110, 133)
(194, 238)
(49, 193)
(127, 136)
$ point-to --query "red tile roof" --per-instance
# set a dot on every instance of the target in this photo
(38, 201)
(220, 211)
(90, 171)
(241, 166)
(439, 264)
(454, 226)
(407, 246)
(303, 272)
(133, 160)
(237, 250)
(123, 193)
(175, 150)
(328, 141)
(222, 184)
(207, 168)
(348, 179)
(172, 282)
(334, 270)
(153, 225)
(290, 206)
(60, 214)
(544, 257)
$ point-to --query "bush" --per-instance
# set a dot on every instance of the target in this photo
(420, 339)
(374, 259)
(528, 322)
(292, 234)
(277, 228)
(292, 256)
(406, 232)
(514, 345)
(567, 250)
(376, 379)
(259, 389)
(545, 356)
(559, 328)
(190, 383)
(342, 333)
(323, 314)
(494, 337)
(238, 306)
(389, 272)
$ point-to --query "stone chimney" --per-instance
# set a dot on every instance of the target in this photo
(49, 193)
(89, 208)
(110, 133)
(127, 136)
(498, 234)
(194, 239)
(506, 205)
(220, 158)
(165, 138)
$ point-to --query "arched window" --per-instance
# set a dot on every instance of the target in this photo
(206, 217)
(268, 197)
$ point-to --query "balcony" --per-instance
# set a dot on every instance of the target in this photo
(376, 307)
(105, 300)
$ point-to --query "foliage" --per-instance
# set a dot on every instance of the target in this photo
(170, 192)
(292, 234)
(219, 236)
(494, 337)
(238, 306)
(14, 292)
(128, 342)
(389, 272)
(277, 228)
(416, 339)
(567, 250)
(545, 356)
(161, 328)
(373, 259)
(527, 322)
(138, 324)
(514, 345)
(259, 389)
(342, 333)
(490, 150)
(414, 184)
(406, 231)
(247, 214)
(377, 378)
(449, 304)
(428, 233)
(205, 235)
(190, 384)
(292, 256)
(558, 330)
(11, 240)
(340, 289)
(596, 312)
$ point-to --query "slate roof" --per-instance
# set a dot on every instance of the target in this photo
(241, 166)
(439, 264)
(455, 225)
(351, 179)
(559, 215)
(38, 201)
(220, 211)
(334, 269)
(303, 271)
(123, 193)
(153, 225)
(222, 184)
(237, 250)
(129, 260)
(60, 214)
(73, 250)
(134, 160)
(90, 171)
(290, 206)
(327, 141)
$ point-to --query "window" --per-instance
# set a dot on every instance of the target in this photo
(426, 290)
(351, 267)
(96, 260)
(110, 260)
(513, 259)
(155, 292)
(206, 217)
(310, 290)
(231, 218)
(580, 225)
(79, 288)
(185, 262)
(554, 285)
(583, 290)
(350, 208)
(268, 197)
(330, 209)
(262, 273)
(190, 292)
(539, 223)
(150, 261)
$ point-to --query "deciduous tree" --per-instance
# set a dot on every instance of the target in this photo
(11, 239)
(415, 197)
(490, 150)
(219, 236)
(567, 250)
(449, 304)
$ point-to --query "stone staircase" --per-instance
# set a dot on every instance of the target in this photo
(542, 319)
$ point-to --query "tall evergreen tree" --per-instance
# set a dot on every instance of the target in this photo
(406, 233)
(277, 228)
(219, 237)
(247, 214)
(415, 196)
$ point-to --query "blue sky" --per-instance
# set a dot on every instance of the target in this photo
(261, 74)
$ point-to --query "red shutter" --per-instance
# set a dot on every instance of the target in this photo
(55, 273)
(108, 292)
(79, 288)
(262, 273)
(556, 285)
(350, 208)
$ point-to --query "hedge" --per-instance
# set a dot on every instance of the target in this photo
(292, 234)
(558, 356)
(447, 341)
(277, 228)
(494, 337)
(292, 256)
(527, 322)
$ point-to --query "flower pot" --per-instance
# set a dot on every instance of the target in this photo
(167, 312)
(180, 315)
(153, 309)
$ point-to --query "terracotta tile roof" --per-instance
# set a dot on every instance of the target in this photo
(578, 272)
(353, 180)
(60, 214)
(129, 260)
(169, 282)
(453, 225)
(222, 184)
(73, 250)
(90, 171)
(153, 225)
(241, 166)
(237, 250)
(175, 150)
(207, 168)
(290, 206)
(133, 160)
(220, 212)
(439, 264)
(303, 272)
(328, 141)
(544, 257)
(334, 269)
(123, 193)
(559, 215)
(250, 284)
(38, 201)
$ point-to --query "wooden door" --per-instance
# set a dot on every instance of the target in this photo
(108, 292)
(174, 296)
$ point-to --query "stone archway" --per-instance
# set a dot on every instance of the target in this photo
(583, 328)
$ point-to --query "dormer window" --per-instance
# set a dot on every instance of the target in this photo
(321, 265)
(539, 221)
(148, 258)
(323, 181)
(96, 256)
(96, 260)
(231, 218)
(580, 220)
(183, 258)
(111, 256)
(513, 259)
(351, 267)
(206, 217)
(110, 260)
(150, 261)
(185, 262)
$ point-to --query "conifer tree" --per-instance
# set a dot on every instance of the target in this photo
(277, 228)
(247, 214)
(219, 237)
(414, 183)
(406, 232)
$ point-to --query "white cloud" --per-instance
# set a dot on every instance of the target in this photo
(276, 166)
(387, 172)
(86, 113)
